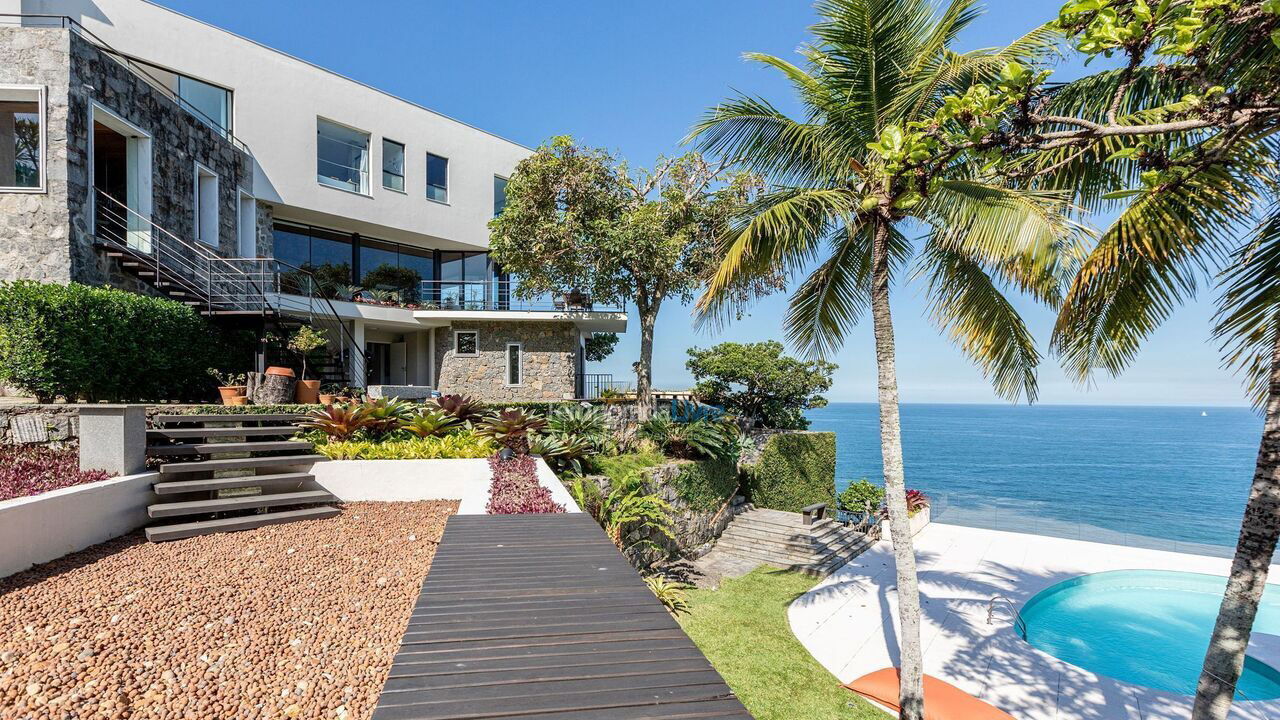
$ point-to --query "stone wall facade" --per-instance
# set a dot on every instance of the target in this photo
(549, 353)
(49, 234)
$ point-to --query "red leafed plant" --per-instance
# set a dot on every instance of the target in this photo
(916, 501)
(31, 469)
(515, 489)
(339, 422)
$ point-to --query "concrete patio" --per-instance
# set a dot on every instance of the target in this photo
(849, 622)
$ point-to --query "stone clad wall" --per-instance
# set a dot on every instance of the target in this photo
(34, 226)
(550, 355)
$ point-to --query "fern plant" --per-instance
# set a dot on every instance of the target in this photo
(627, 508)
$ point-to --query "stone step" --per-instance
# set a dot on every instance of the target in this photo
(780, 519)
(240, 463)
(275, 418)
(798, 548)
(247, 502)
(208, 432)
(231, 447)
(817, 561)
(833, 534)
(230, 483)
(159, 533)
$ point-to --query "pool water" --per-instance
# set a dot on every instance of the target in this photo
(1146, 627)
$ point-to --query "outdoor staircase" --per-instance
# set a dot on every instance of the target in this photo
(784, 540)
(214, 493)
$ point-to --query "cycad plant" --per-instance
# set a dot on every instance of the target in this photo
(844, 196)
(625, 509)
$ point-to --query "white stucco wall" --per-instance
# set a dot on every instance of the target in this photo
(277, 99)
(402, 480)
(45, 527)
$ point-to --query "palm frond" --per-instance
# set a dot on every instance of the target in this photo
(754, 134)
(1248, 316)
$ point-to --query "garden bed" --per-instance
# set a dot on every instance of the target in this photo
(27, 470)
(298, 620)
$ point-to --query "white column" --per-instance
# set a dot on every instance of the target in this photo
(358, 370)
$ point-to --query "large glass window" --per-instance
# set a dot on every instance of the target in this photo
(392, 165)
(499, 195)
(342, 157)
(211, 103)
(437, 178)
(323, 253)
(21, 138)
(465, 280)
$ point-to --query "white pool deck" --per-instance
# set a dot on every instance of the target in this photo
(849, 622)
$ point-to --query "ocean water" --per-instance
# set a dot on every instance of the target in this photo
(1162, 477)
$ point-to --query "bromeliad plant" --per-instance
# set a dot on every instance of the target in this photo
(463, 407)
(670, 594)
(385, 416)
(338, 422)
(431, 422)
(916, 501)
(512, 428)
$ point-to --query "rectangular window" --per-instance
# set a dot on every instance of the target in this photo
(247, 226)
(342, 157)
(437, 178)
(392, 165)
(21, 138)
(206, 206)
(466, 343)
(499, 195)
(209, 103)
(515, 371)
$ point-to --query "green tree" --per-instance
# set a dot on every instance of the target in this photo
(578, 219)
(600, 346)
(758, 382)
(836, 200)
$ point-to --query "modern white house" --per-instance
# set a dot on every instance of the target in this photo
(148, 150)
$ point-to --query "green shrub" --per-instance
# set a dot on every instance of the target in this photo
(794, 469)
(860, 494)
(97, 343)
(757, 382)
(706, 484)
(618, 467)
(461, 445)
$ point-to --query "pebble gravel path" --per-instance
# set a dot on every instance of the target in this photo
(289, 621)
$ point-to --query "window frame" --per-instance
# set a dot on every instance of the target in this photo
(504, 180)
(366, 189)
(506, 377)
(43, 114)
(203, 171)
(404, 166)
(456, 333)
(448, 177)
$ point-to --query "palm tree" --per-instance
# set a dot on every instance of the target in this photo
(872, 66)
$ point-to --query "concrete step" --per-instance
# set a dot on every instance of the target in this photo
(230, 483)
(208, 432)
(159, 533)
(828, 536)
(792, 560)
(240, 463)
(247, 502)
(794, 548)
(231, 447)
(274, 418)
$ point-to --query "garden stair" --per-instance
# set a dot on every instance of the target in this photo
(220, 494)
(784, 540)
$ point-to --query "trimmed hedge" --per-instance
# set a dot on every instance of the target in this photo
(706, 484)
(794, 469)
(97, 343)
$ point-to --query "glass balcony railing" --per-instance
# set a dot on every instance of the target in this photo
(502, 295)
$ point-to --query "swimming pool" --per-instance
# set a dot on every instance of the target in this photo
(1146, 627)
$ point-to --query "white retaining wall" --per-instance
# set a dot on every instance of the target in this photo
(45, 527)
(404, 480)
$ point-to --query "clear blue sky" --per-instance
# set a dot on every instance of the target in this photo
(633, 77)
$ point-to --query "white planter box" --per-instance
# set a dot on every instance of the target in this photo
(406, 480)
(918, 521)
(45, 527)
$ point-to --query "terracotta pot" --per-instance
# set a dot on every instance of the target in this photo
(327, 398)
(277, 370)
(308, 392)
(231, 391)
(237, 400)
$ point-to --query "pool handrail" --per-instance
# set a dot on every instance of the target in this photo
(1019, 625)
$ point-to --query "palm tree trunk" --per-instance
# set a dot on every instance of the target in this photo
(1259, 531)
(911, 683)
(648, 313)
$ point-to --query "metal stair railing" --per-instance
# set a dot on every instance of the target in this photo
(1019, 625)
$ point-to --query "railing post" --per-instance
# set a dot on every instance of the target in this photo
(113, 438)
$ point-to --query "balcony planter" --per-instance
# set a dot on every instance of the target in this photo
(308, 392)
(228, 392)
(917, 522)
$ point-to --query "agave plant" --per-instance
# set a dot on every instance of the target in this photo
(670, 594)
(431, 422)
(386, 415)
(463, 407)
(338, 422)
(511, 429)
(564, 453)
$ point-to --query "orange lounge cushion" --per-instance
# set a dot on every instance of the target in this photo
(942, 700)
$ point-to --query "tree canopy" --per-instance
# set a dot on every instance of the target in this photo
(758, 382)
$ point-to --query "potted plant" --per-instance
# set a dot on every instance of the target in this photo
(305, 340)
(329, 394)
(230, 385)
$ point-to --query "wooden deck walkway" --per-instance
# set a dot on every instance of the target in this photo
(539, 617)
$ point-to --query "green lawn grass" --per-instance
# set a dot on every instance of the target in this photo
(742, 628)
